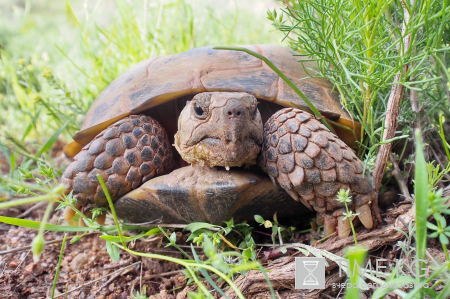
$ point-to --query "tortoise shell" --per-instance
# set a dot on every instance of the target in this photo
(156, 82)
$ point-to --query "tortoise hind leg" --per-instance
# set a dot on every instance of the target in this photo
(125, 155)
(312, 164)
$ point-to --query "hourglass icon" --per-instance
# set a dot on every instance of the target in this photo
(310, 279)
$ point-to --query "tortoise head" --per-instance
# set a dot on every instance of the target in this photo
(220, 129)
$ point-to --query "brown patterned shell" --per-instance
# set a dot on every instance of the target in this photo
(159, 80)
(126, 155)
(311, 163)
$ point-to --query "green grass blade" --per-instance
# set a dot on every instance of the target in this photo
(153, 231)
(113, 210)
(354, 255)
(53, 138)
(282, 76)
(421, 197)
(445, 293)
(206, 275)
(36, 225)
(58, 267)
(194, 226)
(381, 292)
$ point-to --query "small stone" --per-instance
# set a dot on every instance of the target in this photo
(13, 264)
(79, 261)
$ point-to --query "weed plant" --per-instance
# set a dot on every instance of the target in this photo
(357, 45)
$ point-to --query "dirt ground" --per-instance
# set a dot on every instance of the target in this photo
(87, 270)
(83, 262)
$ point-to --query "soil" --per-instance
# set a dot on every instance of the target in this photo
(87, 270)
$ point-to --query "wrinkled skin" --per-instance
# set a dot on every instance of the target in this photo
(220, 129)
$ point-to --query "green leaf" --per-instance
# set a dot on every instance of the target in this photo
(36, 225)
(443, 239)
(433, 235)
(432, 226)
(208, 247)
(153, 231)
(113, 251)
(381, 292)
(192, 227)
(173, 237)
(247, 253)
(53, 138)
(75, 239)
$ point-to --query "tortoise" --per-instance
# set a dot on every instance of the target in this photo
(252, 144)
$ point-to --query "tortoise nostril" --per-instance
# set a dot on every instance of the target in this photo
(238, 113)
(230, 113)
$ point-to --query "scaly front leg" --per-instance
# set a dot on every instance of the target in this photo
(312, 164)
(125, 155)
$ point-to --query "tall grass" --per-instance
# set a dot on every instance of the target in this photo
(55, 63)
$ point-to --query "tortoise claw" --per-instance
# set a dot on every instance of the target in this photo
(344, 228)
(329, 225)
(69, 213)
(101, 219)
(365, 215)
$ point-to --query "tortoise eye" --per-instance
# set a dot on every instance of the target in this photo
(199, 112)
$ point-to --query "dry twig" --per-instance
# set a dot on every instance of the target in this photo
(98, 279)
(400, 179)
(47, 243)
(392, 110)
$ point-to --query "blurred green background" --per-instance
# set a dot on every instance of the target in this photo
(57, 56)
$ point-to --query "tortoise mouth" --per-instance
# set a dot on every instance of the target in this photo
(217, 152)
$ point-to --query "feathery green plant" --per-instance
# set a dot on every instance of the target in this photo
(358, 46)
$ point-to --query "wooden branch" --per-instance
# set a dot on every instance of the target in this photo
(400, 179)
(390, 123)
